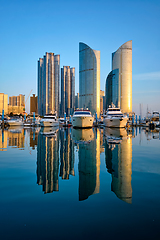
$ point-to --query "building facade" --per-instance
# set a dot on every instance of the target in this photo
(89, 78)
(3, 103)
(34, 104)
(112, 89)
(122, 60)
(67, 90)
(77, 101)
(101, 101)
(48, 83)
(17, 104)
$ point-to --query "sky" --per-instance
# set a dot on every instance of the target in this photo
(29, 29)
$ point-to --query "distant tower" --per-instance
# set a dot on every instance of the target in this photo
(89, 78)
(119, 80)
(67, 90)
(48, 83)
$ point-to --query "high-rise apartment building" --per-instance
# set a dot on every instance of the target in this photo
(3, 103)
(67, 90)
(119, 80)
(48, 83)
(89, 78)
(33, 104)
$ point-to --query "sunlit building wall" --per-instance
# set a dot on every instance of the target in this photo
(33, 104)
(16, 104)
(48, 83)
(67, 90)
(3, 103)
(89, 78)
(122, 60)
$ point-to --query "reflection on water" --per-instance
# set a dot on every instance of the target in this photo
(48, 160)
(118, 154)
(56, 153)
(66, 154)
(89, 161)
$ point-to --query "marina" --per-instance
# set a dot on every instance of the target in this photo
(100, 173)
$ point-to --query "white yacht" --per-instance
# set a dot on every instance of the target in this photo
(82, 119)
(49, 120)
(114, 117)
(15, 122)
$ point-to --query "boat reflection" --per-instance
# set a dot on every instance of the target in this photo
(118, 155)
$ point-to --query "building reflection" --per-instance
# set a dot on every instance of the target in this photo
(66, 154)
(118, 155)
(89, 161)
(13, 137)
(3, 140)
(34, 138)
(48, 159)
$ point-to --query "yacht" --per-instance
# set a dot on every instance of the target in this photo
(15, 122)
(82, 119)
(49, 120)
(114, 117)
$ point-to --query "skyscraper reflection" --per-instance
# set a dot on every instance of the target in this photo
(89, 161)
(16, 137)
(48, 160)
(66, 154)
(118, 154)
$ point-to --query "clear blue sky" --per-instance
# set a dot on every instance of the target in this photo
(30, 28)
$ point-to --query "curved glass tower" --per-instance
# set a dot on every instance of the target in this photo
(112, 89)
(89, 78)
(122, 60)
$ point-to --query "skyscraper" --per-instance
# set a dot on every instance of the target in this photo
(67, 90)
(119, 80)
(48, 83)
(89, 78)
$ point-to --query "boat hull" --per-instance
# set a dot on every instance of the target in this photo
(115, 122)
(82, 122)
(12, 123)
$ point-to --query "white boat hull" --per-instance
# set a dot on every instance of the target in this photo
(115, 122)
(15, 123)
(82, 121)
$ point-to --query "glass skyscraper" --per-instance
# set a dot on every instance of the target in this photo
(48, 83)
(119, 80)
(89, 78)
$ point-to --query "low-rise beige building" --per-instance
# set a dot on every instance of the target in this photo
(3, 103)
(17, 104)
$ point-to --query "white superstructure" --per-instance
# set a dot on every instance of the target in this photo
(82, 119)
(114, 117)
(15, 122)
(49, 120)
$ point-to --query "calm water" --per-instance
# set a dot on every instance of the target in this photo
(79, 184)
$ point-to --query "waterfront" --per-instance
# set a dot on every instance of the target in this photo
(79, 184)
